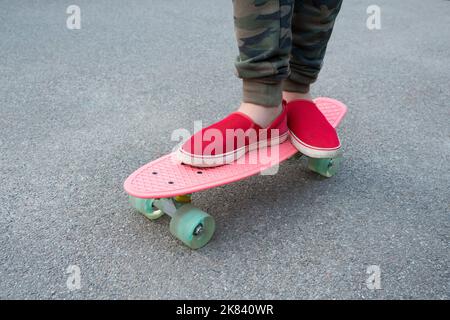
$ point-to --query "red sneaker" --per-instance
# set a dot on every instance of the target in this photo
(229, 139)
(310, 131)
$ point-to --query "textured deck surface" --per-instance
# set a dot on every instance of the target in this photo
(166, 177)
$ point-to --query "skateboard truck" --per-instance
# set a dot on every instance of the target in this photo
(189, 224)
(166, 205)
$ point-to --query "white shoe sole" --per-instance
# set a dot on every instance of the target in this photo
(226, 158)
(311, 151)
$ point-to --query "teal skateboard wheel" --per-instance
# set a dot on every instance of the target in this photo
(145, 206)
(326, 167)
(192, 226)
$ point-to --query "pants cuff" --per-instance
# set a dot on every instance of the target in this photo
(264, 94)
(292, 86)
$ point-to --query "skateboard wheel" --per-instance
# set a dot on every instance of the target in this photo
(145, 206)
(192, 226)
(326, 167)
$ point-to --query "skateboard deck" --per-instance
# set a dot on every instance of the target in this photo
(164, 186)
(166, 177)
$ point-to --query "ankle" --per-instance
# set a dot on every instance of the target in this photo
(290, 96)
(261, 115)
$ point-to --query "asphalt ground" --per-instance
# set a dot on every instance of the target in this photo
(81, 109)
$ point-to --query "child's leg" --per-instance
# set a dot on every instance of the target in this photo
(312, 25)
(263, 31)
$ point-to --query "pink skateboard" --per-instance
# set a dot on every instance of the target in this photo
(165, 185)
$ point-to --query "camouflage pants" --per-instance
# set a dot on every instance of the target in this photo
(282, 44)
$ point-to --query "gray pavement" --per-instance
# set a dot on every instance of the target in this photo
(82, 109)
